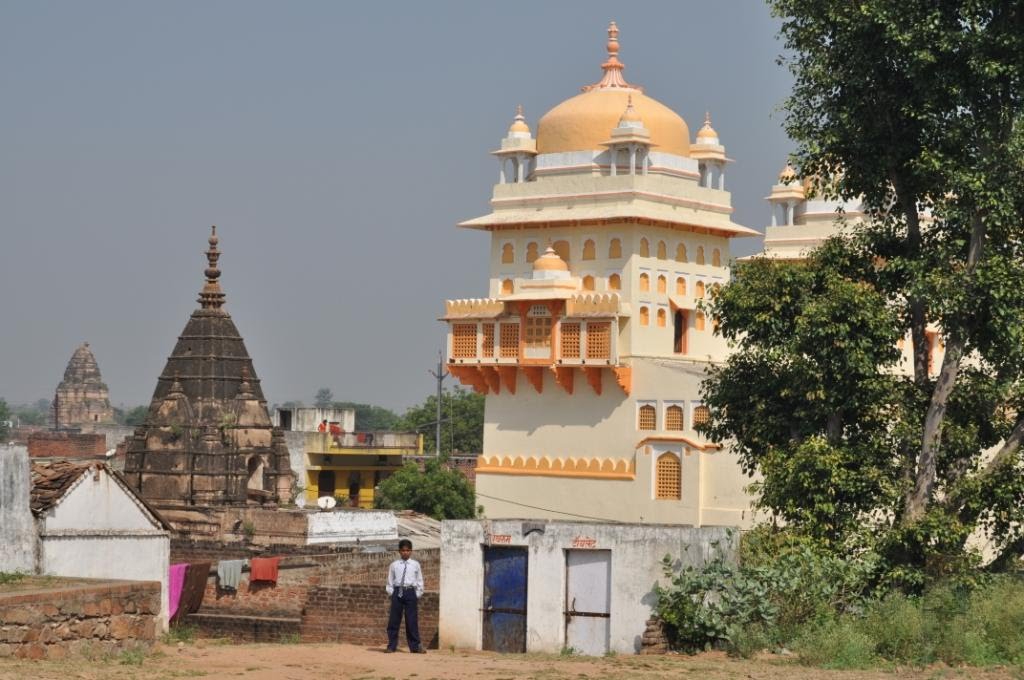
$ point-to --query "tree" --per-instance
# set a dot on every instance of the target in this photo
(324, 398)
(437, 491)
(5, 416)
(462, 427)
(370, 417)
(916, 108)
(136, 416)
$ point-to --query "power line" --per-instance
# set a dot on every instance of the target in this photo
(537, 507)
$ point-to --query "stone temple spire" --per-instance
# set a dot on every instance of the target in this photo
(212, 297)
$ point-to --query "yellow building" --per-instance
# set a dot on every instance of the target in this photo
(349, 466)
(607, 230)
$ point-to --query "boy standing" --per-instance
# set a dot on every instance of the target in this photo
(405, 586)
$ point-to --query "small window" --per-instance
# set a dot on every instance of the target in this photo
(508, 254)
(464, 340)
(614, 282)
(667, 480)
(614, 249)
(507, 287)
(588, 250)
(716, 258)
(645, 283)
(487, 344)
(701, 415)
(662, 284)
(647, 417)
(569, 340)
(698, 321)
(599, 340)
(699, 290)
(531, 251)
(680, 285)
(645, 248)
(645, 316)
(662, 251)
(700, 254)
(681, 252)
(674, 418)
(588, 283)
(662, 316)
(562, 248)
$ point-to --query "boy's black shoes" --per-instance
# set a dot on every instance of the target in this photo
(419, 651)
(389, 651)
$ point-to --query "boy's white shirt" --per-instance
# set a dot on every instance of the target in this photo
(413, 576)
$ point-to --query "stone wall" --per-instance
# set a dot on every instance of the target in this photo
(93, 616)
(358, 614)
(17, 528)
(242, 628)
(66, 445)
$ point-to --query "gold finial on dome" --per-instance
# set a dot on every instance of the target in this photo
(706, 131)
(612, 67)
(519, 122)
(550, 261)
(629, 115)
(212, 297)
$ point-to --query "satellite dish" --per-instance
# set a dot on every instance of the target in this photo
(326, 502)
(300, 501)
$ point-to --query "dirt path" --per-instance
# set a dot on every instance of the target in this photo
(309, 662)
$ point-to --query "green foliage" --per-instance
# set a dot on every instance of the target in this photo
(324, 398)
(5, 414)
(462, 429)
(136, 416)
(133, 656)
(371, 418)
(11, 577)
(180, 632)
(437, 491)
(37, 413)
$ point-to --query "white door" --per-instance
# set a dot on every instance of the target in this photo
(588, 596)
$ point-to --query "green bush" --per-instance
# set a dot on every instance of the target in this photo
(835, 643)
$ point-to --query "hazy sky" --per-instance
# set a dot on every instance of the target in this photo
(335, 145)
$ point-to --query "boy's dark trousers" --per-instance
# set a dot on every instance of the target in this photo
(404, 601)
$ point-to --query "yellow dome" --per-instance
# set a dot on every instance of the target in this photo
(706, 131)
(584, 122)
(550, 262)
(519, 122)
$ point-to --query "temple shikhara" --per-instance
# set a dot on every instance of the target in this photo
(82, 400)
(208, 440)
(607, 229)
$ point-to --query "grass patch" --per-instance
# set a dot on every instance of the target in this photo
(182, 632)
(11, 577)
(290, 639)
(133, 656)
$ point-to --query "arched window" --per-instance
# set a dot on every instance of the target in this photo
(645, 316)
(679, 332)
(588, 250)
(700, 254)
(645, 248)
(615, 249)
(716, 258)
(508, 254)
(562, 248)
(662, 251)
(698, 320)
(680, 285)
(681, 252)
(588, 283)
(699, 290)
(531, 251)
(701, 415)
(506, 287)
(647, 417)
(674, 418)
(661, 318)
(614, 282)
(645, 282)
(667, 478)
(662, 284)
(255, 468)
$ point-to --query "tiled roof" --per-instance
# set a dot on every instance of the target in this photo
(50, 481)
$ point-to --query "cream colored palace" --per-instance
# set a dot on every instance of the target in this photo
(607, 230)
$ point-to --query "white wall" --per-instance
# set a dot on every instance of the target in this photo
(17, 530)
(98, 530)
(636, 553)
(350, 526)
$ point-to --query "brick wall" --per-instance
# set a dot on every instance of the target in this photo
(246, 628)
(66, 445)
(358, 614)
(102, 617)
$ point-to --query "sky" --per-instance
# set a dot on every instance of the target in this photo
(335, 145)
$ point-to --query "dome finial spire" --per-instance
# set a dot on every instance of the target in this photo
(612, 66)
(212, 297)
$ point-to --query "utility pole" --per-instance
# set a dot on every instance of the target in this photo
(439, 376)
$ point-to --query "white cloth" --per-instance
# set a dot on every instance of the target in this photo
(405, 574)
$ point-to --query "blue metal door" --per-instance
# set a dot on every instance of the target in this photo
(504, 599)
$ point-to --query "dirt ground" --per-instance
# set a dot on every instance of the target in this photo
(307, 662)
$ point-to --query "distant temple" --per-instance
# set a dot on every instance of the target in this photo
(208, 439)
(82, 400)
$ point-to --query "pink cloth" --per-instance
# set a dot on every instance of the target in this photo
(174, 586)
